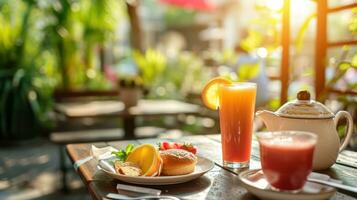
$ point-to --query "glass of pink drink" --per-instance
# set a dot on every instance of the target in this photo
(286, 158)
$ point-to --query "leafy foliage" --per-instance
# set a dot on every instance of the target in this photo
(151, 65)
(302, 31)
(182, 74)
(247, 71)
(25, 88)
(123, 154)
(74, 32)
(263, 30)
(252, 41)
(352, 25)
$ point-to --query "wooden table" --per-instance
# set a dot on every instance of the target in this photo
(219, 183)
(107, 108)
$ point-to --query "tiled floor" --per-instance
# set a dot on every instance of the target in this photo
(31, 171)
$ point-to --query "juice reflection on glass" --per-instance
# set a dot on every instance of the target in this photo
(286, 158)
(236, 110)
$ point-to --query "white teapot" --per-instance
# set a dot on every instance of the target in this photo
(304, 114)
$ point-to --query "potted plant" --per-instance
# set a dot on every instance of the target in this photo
(138, 74)
(131, 90)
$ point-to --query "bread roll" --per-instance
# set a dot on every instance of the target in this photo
(177, 162)
(127, 168)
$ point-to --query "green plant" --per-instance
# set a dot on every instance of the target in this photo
(248, 71)
(76, 33)
(343, 65)
(99, 19)
(340, 67)
(183, 74)
(151, 65)
(263, 30)
(131, 82)
(123, 154)
(25, 89)
(302, 31)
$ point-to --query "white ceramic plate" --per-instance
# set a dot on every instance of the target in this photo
(255, 182)
(203, 165)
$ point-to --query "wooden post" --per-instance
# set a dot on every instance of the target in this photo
(320, 48)
(284, 70)
(102, 60)
(134, 25)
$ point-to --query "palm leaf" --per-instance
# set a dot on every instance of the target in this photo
(302, 31)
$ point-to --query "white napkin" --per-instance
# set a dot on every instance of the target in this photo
(102, 153)
(103, 156)
(106, 165)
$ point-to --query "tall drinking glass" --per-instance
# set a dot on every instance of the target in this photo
(236, 110)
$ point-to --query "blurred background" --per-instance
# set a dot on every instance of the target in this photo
(75, 71)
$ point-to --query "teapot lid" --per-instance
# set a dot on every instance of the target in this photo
(304, 107)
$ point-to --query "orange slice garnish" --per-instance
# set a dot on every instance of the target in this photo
(148, 158)
(210, 92)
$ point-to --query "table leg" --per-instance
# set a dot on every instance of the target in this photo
(63, 168)
(129, 127)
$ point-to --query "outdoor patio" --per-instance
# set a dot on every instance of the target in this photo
(204, 76)
(34, 173)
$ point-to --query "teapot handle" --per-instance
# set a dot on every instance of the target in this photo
(347, 115)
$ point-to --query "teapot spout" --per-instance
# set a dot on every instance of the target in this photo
(269, 118)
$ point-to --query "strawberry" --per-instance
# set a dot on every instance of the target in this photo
(164, 145)
(189, 147)
(169, 145)
(178, 145)
(174, 145)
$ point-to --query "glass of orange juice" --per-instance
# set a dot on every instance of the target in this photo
(236, 113)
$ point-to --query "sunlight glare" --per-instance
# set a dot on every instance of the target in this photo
(262, 52)
(274, 4)
(4, 184)
(277, 5)
(301, 5)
